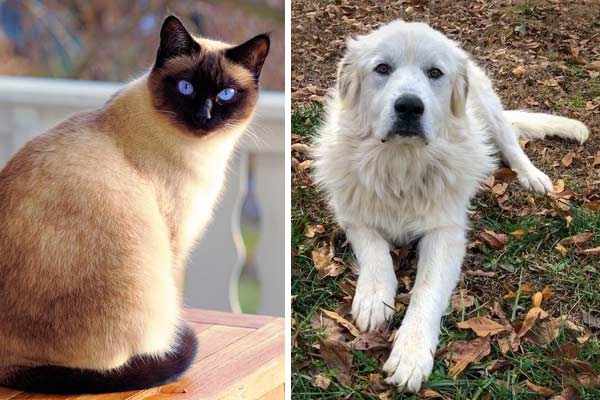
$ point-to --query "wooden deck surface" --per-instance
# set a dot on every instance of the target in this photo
(239, 357)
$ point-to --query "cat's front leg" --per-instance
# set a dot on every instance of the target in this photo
(373, 301)
(440, 258)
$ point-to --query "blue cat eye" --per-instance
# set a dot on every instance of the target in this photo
(185, 87)
(226, 94)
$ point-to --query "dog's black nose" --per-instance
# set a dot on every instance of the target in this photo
(409, 107)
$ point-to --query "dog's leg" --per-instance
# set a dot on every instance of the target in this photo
(488, 107)
(440, 258)
(376, 288)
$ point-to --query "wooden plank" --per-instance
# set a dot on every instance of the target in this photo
(251, 367)
(247, 369)
(234, 361)
(198, 327)
(227, 319)
(276, 394)
(106, 396)
(8, 394)
(210, 342)
(218, 337)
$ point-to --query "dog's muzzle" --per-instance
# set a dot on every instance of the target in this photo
(409, 109)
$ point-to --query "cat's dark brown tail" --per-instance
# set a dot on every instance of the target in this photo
(140, 372)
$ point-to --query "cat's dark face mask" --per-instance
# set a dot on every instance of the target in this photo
(201, 88)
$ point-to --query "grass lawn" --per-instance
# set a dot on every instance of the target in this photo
(510, 276)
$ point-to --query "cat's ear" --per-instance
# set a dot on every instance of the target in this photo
(251, 54)
(175, 41)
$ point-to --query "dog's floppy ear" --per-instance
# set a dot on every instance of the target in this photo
(348, 79)
(460, 90)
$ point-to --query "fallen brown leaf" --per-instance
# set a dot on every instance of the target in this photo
(591, 320)
(549, 330)
(519, 233)
(567, 160)
(328, 327)
(576, 240)
(301, 148)
(342, 321)
(539, 389)
(431, 394)
(312, 230)
(373, 340)
(532, 316)
(568, 393)
(465, 353)
(376, 382)
(482, 326)
(559, 186)
(324, 262)
(595, 251)
(519, 70)
(321, 381)
(562, 250)
(505, 175)
(496, 241)
(338, 358)
(462, 300)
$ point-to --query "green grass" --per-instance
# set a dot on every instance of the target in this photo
(532, 260)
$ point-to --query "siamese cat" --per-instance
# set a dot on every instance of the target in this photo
(98, 215)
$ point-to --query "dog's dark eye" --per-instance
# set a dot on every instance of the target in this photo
(434, 73)
(383, 69)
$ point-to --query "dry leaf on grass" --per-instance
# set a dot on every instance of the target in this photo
(595, 251)
(327, 326)
(496, 241)
(338, 358)
(505, 175)
(431, 394)
(562, 250)
(342, 321)
(591, 320)
(533, 315)
(576, 240)
(539, 389)
(465, 353)
(559, 186)
(376, 383)
(312, 230)
(567, 160)
(568, 393)
(462, 300)
(301, 148)
(321, 381)
(519, 233)
(482, 326)
(507, 341)
(373, 340)
(325, 264)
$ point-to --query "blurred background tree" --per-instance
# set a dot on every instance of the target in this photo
(117, 40)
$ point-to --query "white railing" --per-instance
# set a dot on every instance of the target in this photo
(31, 105)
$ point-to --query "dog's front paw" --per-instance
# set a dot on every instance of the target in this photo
(373, 302)
(411, 360)
(534, 179)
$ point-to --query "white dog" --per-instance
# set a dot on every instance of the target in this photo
(406, 142)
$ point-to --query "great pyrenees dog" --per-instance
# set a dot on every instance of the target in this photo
(411, 130)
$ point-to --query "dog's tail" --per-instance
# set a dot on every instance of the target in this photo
(538, 125)
(141, 372)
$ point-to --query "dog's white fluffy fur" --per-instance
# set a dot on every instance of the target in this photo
(386, 189)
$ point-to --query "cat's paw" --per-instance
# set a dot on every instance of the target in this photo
(532, 178)
(410, 361)
(373, 302)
